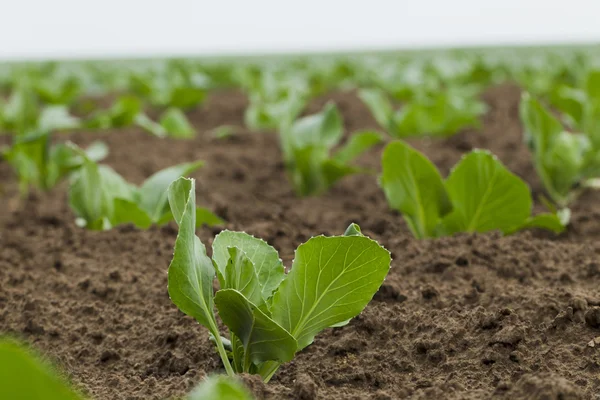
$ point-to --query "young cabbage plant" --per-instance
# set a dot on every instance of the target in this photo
(270, 315)
(42, 165)
(25, 376)
(442, 113)
(176, 85)
(479, 195)
(566, 162)
(102, 199)
(307, 146)
(127, 111)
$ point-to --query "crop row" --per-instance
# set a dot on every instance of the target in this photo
(270, 314)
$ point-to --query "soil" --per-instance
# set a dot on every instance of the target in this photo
(464, 317)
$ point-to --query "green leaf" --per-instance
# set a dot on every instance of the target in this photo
(332, 171)
(353, 230)
(332, 280)
(240, 275)
(25, 377)
(592, 85)
(413, 186)
(146, 123)
(358, 144)
(220, 388)
(53, 118)
(551, 147)
(126, 211)
(176, 124)
(263, 338)
(540, 125)
(153, 192)
(486, 196)
(191, 271)
(564, 161)
(124, 111)
(267, 264)
(186, 97)
(323, 129)
(379, 105)
(546, 221)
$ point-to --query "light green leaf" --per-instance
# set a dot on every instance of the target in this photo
(191, 271)
(353, 230)
(220, 388)
(153, 192)
(486, 196)
(322, 129)
(146, 123)
(332, 280)
(540, 125)
(564, 161)
(379, 105)
(176, 124)
(263, 338)
(24, 377)
(546, 221)
(53, 118)
(413, 186)
(267, 264)
(358, 144)
(240, 275)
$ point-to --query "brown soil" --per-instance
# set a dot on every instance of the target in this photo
(465, 317)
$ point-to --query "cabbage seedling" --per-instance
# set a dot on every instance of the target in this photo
(307, 145)
(271, 315)
(101, 198)
(479, 195)
(39, 164)
(442, 113)
(566, 162)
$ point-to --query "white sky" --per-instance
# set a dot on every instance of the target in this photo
(92, 28)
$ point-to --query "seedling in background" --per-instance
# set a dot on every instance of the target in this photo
(102, 199)
(270, 315)
(442, 113)
(307, 145)
(42, 165)
(566, 162)
(479, 195)
(127, 111)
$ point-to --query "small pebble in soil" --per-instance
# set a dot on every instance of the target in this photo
(592, 317)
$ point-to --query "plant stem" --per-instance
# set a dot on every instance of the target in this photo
(222, 352)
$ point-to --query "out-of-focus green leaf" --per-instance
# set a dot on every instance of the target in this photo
(220, 388)
(25, 377)
(176, 124)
